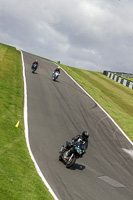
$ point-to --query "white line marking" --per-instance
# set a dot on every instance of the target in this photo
(27, 135)
(129, 151)
(100, 107)
(111, 181)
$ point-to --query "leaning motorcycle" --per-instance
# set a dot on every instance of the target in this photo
(34, 68)
(69, 156)
(55, 76)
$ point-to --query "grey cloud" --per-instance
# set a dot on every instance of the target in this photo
(93, 35)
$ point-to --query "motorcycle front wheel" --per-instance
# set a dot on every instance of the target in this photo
(33, 70)
(71, 162)
(60, 158)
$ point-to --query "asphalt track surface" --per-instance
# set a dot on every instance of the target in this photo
(57, 111)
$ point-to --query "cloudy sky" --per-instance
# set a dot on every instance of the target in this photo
(95, 35)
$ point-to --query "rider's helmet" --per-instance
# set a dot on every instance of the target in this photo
(85, 135)
(36, 61)
(58, 67)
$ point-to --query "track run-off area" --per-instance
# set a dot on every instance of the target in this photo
(55, 112)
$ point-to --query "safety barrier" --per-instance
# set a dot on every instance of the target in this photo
(119, 79)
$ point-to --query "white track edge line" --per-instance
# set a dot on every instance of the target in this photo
(27, 134)
(100, 107)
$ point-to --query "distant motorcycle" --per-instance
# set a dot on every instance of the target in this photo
(34, 68)
(68, 157)
(55, 76)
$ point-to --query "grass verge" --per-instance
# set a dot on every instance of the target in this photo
(115, 98)
(18, 177)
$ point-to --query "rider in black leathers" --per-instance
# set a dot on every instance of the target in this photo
(57, 70)
(84, 137)
(35, 62)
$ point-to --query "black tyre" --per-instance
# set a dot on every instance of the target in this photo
(71, 162)
(60, 158)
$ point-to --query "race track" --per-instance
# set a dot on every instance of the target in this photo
(57, 111)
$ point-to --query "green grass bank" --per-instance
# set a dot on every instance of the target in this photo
(18, 177)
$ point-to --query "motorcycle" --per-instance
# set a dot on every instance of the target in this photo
(55, 76)
(34, 68)
(69, 156)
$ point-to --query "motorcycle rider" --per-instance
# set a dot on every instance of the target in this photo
(57, 70)
(81, 137)
(36, 63)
